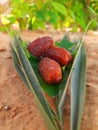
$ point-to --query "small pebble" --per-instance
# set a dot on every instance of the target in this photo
(6, 107)
(2, 49)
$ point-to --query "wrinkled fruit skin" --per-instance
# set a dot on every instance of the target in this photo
(61, 55)
(40, 46)
(50, 70)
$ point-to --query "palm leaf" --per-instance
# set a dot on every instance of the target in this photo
(78, 81)
(25, 70)
(18, 68)
(60, 100)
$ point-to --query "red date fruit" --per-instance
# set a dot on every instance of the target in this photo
(61, 55)
(40, 46)
(50, 70)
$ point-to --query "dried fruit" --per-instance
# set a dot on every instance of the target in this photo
(61, 55)
(50, 70)
(40, 46)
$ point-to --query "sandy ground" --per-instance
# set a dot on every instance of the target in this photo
(18, 110)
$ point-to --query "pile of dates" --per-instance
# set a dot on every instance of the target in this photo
(52, 58)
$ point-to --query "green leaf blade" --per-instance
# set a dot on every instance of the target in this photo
(66, 43)
(59, 7)
(78, 83)
(18, 68)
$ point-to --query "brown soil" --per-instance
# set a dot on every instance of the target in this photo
(18, 110)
